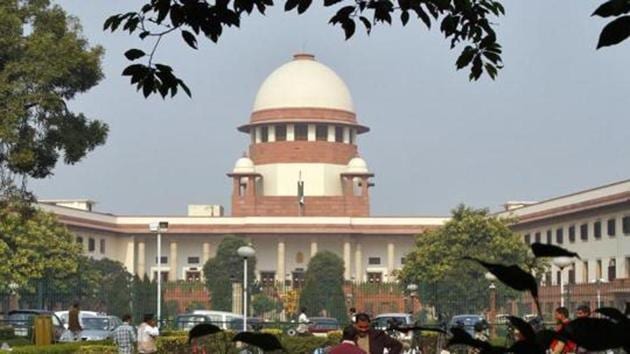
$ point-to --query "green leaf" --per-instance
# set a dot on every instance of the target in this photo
(133, 54)
(615, 32)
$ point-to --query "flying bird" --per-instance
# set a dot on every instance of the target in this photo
(541, 250)
(264, 341)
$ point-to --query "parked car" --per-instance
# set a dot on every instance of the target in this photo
(22, 322)
(63, 316)
(385, 321)
(467, 322)
(253, 324)
(320, 326)
(219, 318)
(99, 327)
(186, 321)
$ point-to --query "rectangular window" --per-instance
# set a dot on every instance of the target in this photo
(374, 260)
(102, 246)
(597, 229)
(572, 233)
(527, 239)
(163, 260)
(402, 260)
(80, 240)
(321, 132)
(548, 237)
(625, 225)
(559, 236)
(264, 134)
(301, 132)
(612, 224)
(164, 276)
(339, 134)
(281, 132)
(91, 245)
(268, 279)
(193, 275)
(572, 275)
(612, 270)
(585, 272)
(584, 232)
(193, 260)
(538, 237)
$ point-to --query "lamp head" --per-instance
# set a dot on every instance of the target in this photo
(490, 277)
(562, 262)
(246, 251)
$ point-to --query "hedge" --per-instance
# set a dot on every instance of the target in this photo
(66, 348)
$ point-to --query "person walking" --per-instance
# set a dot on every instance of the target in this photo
(303, 322)
(124, 336)
(147, 335)
(348, 343)
(562, 346)
(74, 325)
(374, 341)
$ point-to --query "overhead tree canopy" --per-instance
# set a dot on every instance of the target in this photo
(44, 62)
(467, 24)
(226, 268)
(437, 265)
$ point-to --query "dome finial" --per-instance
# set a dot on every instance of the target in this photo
(303, 56)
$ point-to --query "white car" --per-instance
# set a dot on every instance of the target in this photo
(63, 316)
(385, 320)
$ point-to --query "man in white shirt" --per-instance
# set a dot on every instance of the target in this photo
(303, 322)
(147, 334)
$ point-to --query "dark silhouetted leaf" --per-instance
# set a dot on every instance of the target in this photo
(404, 17)
(303, 5)
(465, 58)
(544, 250)
(331, 2)
(190, 39)
(612, 8)
(264, 341)
(134, 69)
(348, 27)
(290, 5)
(423, 15)
(477, 68)
(615, 32)
(202, 329)
(367, 24)
(144, 34)
(133, 54)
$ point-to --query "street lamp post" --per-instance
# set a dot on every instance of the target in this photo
(412, 294)
(245, 252)
(599, 293)
(493, 303)
(562, 262)
(159, 228)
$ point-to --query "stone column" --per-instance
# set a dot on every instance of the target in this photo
(346, 260)
(313, 248)
(172, 274)
(390, 261)
(141, 259)
(206, 253)
(358, 263)
(280, 266)
(130, 255)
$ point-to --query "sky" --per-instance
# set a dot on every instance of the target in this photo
(555, 121)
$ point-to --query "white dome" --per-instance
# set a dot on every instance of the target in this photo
(301, 83)
(357, 165)
(244, 165)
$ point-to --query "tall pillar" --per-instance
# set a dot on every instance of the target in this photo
(390, 261)
(206, 252)
(313, 247)
(358, 263)
(280, 266)
(172, 274)
(346, 260)
(130, 255)
(141, 259)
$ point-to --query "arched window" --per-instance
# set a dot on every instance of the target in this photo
(299, 258)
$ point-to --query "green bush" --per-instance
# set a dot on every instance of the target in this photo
(98, 349)
(67, 348)
(6, 332)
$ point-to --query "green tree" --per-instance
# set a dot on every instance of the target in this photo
(44, 63)
(323, 287)
(33, 244)
(226, 268)
(262, 303)
(455, 285)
